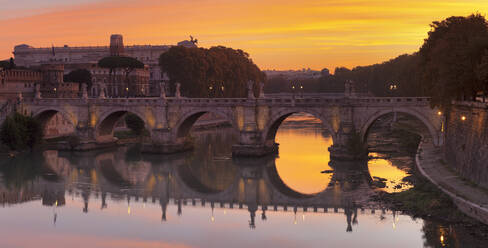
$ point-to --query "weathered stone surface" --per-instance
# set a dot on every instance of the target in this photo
(466, 146)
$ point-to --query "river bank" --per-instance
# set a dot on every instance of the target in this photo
(426, 199)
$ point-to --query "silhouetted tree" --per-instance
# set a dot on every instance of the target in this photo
(134, 123)
(20, 132)
(8, 64)
(126, 64)
(79, 76)
(451, 58)
(218, 71)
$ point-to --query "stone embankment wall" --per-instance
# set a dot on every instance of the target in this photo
(466, 141)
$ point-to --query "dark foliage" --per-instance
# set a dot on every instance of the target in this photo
(8, 64)
(134, 123)
(80, 76)
(19, 132)
(454, 59)
(216, 72)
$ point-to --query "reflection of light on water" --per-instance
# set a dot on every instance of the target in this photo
(383, 168)
(303, 155)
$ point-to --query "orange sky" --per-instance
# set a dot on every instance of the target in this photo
(278, 34)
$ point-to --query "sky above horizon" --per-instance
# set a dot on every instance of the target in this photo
(278, 34)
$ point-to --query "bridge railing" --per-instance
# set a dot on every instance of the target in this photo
(316, 99)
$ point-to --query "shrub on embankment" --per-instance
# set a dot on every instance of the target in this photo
(20, 132)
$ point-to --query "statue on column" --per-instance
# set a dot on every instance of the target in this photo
(261, 90)
(38, 91)
(84, 94)
(162, 88)
(178, 92)
(102, 91)
(250, 91)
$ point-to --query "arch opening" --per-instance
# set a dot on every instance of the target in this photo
(201, 120)
(392, 141)
(401, 121)
(126, 123)
(303, 154)
(55, 124)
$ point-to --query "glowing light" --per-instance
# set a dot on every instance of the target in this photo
(463, 118)
(128, 210)
(439, 113)
(442, 238)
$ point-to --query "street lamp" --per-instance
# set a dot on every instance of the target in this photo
(393, 87)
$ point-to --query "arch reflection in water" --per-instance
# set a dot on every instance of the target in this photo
(140, 191)
(304, 153)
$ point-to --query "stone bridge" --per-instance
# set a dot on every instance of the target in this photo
(170, 119)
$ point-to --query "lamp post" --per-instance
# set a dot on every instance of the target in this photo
(393, 87)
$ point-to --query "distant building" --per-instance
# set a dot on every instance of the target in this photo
(18, 81)
(28, 56)
(14, 82)
(53, 85)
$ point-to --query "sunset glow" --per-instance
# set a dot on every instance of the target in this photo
(281, 34)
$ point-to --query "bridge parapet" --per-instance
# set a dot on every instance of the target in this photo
(255, 119)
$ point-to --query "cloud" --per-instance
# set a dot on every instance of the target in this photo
(308, 33)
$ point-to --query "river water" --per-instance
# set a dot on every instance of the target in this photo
(204, 198)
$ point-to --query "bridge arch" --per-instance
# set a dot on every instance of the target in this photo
(276, 120)
(186, 122)
(105, 125)
(44, 115)
(434, 134)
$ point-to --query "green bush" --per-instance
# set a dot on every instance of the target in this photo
(134, 123)
(19, 132)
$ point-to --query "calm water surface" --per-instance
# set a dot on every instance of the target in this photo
(120, 198)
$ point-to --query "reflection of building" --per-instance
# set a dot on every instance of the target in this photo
(28, 56)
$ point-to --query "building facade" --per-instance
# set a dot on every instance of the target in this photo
(28, 56)
(18, 81)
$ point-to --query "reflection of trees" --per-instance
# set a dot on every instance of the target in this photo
(22, 170)
(454, 235)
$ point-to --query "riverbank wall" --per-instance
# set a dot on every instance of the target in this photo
(466, 141)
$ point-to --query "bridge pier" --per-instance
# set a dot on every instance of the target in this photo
(161, 142)
(250, 145)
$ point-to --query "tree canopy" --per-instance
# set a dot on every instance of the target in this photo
(120, 62)
(454, 59)
(7, 64)
(79, 76)
(218, 71)
(20, 132)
